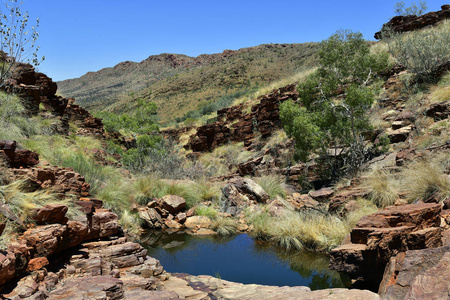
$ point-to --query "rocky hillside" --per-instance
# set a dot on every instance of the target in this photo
(179, 83)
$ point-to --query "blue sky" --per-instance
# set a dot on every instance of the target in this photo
(77, 36)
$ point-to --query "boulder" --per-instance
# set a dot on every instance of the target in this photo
(251, 189)
(399, 135)
(7, 266)
(51, 214)
(151, 217)
(197, 222)
(37, 263)
(439, 111)
(173, 203)
(45, 240)
(98, 287)
(322, 194)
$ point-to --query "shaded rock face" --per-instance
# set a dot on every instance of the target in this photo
(439, 111)
(235, 125)
(417, 274)
(17, 158)
(410, 23)
(378, 237)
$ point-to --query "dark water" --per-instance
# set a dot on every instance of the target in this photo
(240, 259)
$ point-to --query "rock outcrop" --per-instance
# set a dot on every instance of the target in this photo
(382, 235)
(410, 23)
(62, 181)
(234, 125)
(417, 274)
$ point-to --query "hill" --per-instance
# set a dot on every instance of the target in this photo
(179, 83)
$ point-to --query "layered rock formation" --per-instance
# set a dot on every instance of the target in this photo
(234, 125)
(410, 23)
(382, 235)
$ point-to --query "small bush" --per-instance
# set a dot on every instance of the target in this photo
(415, 9)
(422, 52)
(130, 222)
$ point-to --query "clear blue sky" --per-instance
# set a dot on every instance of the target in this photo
(77, 36)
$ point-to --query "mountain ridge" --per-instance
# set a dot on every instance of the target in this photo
(231, 70)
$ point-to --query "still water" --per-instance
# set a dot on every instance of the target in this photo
(240, 259)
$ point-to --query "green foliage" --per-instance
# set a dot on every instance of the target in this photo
(222, 102)
(14, 124)
(415, 9)
(18, 38)
(298, 123)
(142, 120)
(207, 211)
(421, 52)
(335, 98)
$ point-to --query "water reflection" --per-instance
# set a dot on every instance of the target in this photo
(240, 259)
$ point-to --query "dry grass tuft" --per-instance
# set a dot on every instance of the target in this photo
(383, 189)
(425, 178)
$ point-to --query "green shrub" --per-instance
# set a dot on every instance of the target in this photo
(415, 9)
(421, 52)
(207, 211)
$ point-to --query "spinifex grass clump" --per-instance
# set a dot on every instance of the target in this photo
(148, 187)
(300, 230)
(426, 178)
(307, 230)
(224, 226)
(273, 185)
(383, 188)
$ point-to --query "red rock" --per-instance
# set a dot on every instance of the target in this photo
(75, 234)
(173, 224)
(86, 207)
(197, 222)
(98, 287)
(37, 263)
(399, 135)
(51, 214)
(264, 118)
(45, 240)
(422, 215)
(190, 212)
